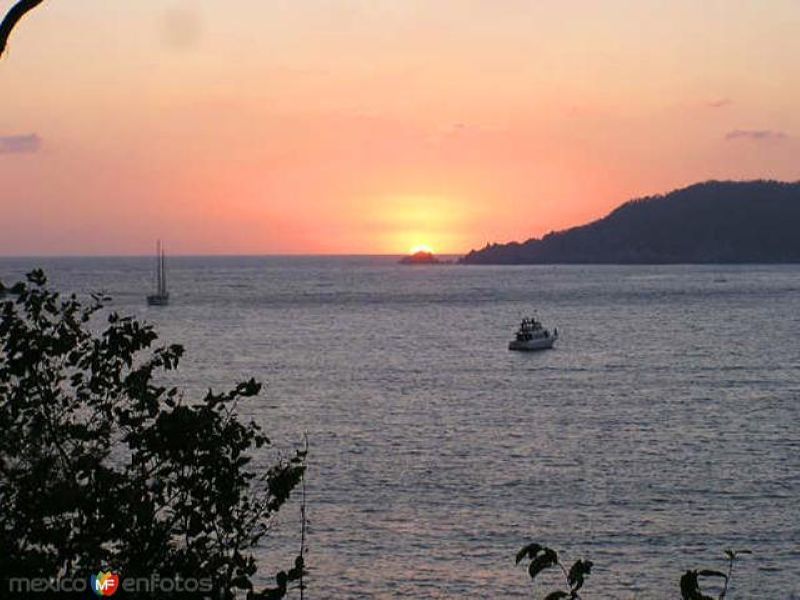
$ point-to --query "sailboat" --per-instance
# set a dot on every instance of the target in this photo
(161, 297)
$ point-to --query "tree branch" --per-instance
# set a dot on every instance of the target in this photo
(13, 17)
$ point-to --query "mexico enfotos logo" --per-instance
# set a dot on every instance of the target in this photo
(107, 583)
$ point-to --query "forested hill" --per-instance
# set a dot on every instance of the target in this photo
(712, 222)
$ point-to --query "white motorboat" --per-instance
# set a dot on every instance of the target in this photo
(532, 335)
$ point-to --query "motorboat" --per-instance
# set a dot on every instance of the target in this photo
(532, 335)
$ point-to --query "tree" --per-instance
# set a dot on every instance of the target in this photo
(14, 15)
(542, 558)
(101, 466)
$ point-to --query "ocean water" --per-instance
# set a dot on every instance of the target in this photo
(661, 430)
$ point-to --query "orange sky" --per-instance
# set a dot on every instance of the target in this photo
(356, 126)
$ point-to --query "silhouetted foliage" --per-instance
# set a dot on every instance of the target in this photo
(713, 222)
(690, 581)
(101, 466)
(13, 16)
(542, 558)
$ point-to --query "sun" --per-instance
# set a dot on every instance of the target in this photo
(421, 248)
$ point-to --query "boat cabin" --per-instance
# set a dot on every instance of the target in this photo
(531, 329)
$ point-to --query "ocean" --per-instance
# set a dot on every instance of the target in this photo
(661, 430)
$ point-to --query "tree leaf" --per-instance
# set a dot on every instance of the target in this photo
(528, 551)
(712, 573)
(578, 572)
(690, 587)
(548, 558)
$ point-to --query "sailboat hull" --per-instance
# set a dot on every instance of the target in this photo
(158, 300)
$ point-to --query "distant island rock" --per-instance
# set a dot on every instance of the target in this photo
(712, 222)
(420, 258)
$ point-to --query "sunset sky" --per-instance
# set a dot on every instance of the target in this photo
(372, 126)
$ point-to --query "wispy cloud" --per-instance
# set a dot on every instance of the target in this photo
(20, 144)
(758, 135)
(719, 103)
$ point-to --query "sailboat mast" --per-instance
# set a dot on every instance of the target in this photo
(160, 297)
(163, 272)
(158, 267)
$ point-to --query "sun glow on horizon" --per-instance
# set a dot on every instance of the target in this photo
(422, 221)
(420, 248)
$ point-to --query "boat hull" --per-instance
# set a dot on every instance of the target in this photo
(530, 345)
(158, 300)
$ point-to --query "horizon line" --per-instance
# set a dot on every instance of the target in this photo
(232, 255)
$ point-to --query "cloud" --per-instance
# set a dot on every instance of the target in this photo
(757, 135)
(20, 144)
(720, 103)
